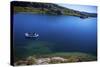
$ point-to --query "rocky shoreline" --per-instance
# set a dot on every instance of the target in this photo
(31, 60)
(54, 59)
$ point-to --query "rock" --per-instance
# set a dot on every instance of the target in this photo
(58, 60)
(31, 60)
(21, 62)
(43, 61)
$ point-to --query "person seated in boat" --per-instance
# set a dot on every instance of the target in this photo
(35, 34)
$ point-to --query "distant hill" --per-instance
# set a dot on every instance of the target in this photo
(47, 8)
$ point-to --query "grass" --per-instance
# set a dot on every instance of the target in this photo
(19, 9)
(29, 9)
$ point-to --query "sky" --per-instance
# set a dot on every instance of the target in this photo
(85, 8)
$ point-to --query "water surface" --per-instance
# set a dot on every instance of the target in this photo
(57, 34)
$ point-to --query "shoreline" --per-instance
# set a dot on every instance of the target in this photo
(55, 58)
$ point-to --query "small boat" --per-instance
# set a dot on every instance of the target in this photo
(31, 35)
(83, 17)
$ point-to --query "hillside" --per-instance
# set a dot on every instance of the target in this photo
(47, 8)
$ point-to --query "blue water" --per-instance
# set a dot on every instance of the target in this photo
(59, 33)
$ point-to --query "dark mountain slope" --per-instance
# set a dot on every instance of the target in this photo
(48, 8)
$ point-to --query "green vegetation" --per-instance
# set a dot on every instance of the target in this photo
(28, 9)
(47, 8)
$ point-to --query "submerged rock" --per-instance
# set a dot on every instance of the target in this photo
(20, 62)
(56, 58)
(43, 61)
(31, 60)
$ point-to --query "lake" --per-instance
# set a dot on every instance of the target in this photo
(56, 34)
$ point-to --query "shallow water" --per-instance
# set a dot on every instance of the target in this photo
(57, 34)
